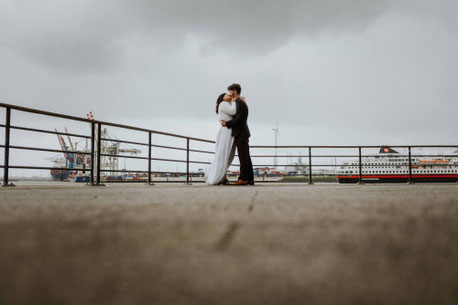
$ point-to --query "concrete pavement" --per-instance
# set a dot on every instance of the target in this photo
(263, 244)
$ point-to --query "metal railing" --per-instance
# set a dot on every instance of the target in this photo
(96, 144)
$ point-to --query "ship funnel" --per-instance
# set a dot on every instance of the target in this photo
(387, 150)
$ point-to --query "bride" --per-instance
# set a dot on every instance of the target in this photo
(224, 148)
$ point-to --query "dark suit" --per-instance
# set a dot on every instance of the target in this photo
(241, 134)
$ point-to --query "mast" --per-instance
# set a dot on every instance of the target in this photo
(277, 133)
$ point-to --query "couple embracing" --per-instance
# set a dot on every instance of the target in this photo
(232, 113)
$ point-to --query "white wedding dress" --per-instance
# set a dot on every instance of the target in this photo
(224, 147)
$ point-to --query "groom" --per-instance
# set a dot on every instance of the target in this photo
(241, 134)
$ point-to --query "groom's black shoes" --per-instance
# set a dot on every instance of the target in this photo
(251, 182)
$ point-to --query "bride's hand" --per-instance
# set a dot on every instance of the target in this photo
(243, 99)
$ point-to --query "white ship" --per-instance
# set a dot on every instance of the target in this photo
(390, 166)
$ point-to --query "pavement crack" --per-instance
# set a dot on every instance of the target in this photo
(226, 239)
(251, 206)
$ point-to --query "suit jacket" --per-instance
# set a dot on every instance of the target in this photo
(238, 124)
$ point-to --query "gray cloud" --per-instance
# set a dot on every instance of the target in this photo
(88, 36)
(333, 72)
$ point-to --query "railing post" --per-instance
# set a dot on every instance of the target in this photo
(310, 166)
(99, 152)
(187, 161)
(7, 148)
(410, 167)
(360, 167)
(92, 152)
(149, 159)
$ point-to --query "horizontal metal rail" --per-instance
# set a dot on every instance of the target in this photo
(179, 161)
(42, 112)
(353, 146)
(75, 118)
(183, 149)
(140, 171)
(124, 141)
(199, 151)
(47, 131)
(347, 166)
(156, 159)
(291, 165)
(152, 131)
(125, 156)
(203, 151)
(46, 168)
(145, 172)
(346, 156)
(47, 150)
(135, 171)
(168, 147)
(155, 181)
(123, 171)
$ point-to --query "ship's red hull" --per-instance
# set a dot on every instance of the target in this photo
(398, 178)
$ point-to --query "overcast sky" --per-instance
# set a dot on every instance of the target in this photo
(331, 71)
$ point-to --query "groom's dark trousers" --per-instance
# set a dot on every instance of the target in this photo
(246, 167)
(241, 134)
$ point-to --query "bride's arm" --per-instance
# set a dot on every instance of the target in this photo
(229, 108)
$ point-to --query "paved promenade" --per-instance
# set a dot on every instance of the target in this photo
(263, 244)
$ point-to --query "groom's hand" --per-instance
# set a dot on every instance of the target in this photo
(223, 123)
